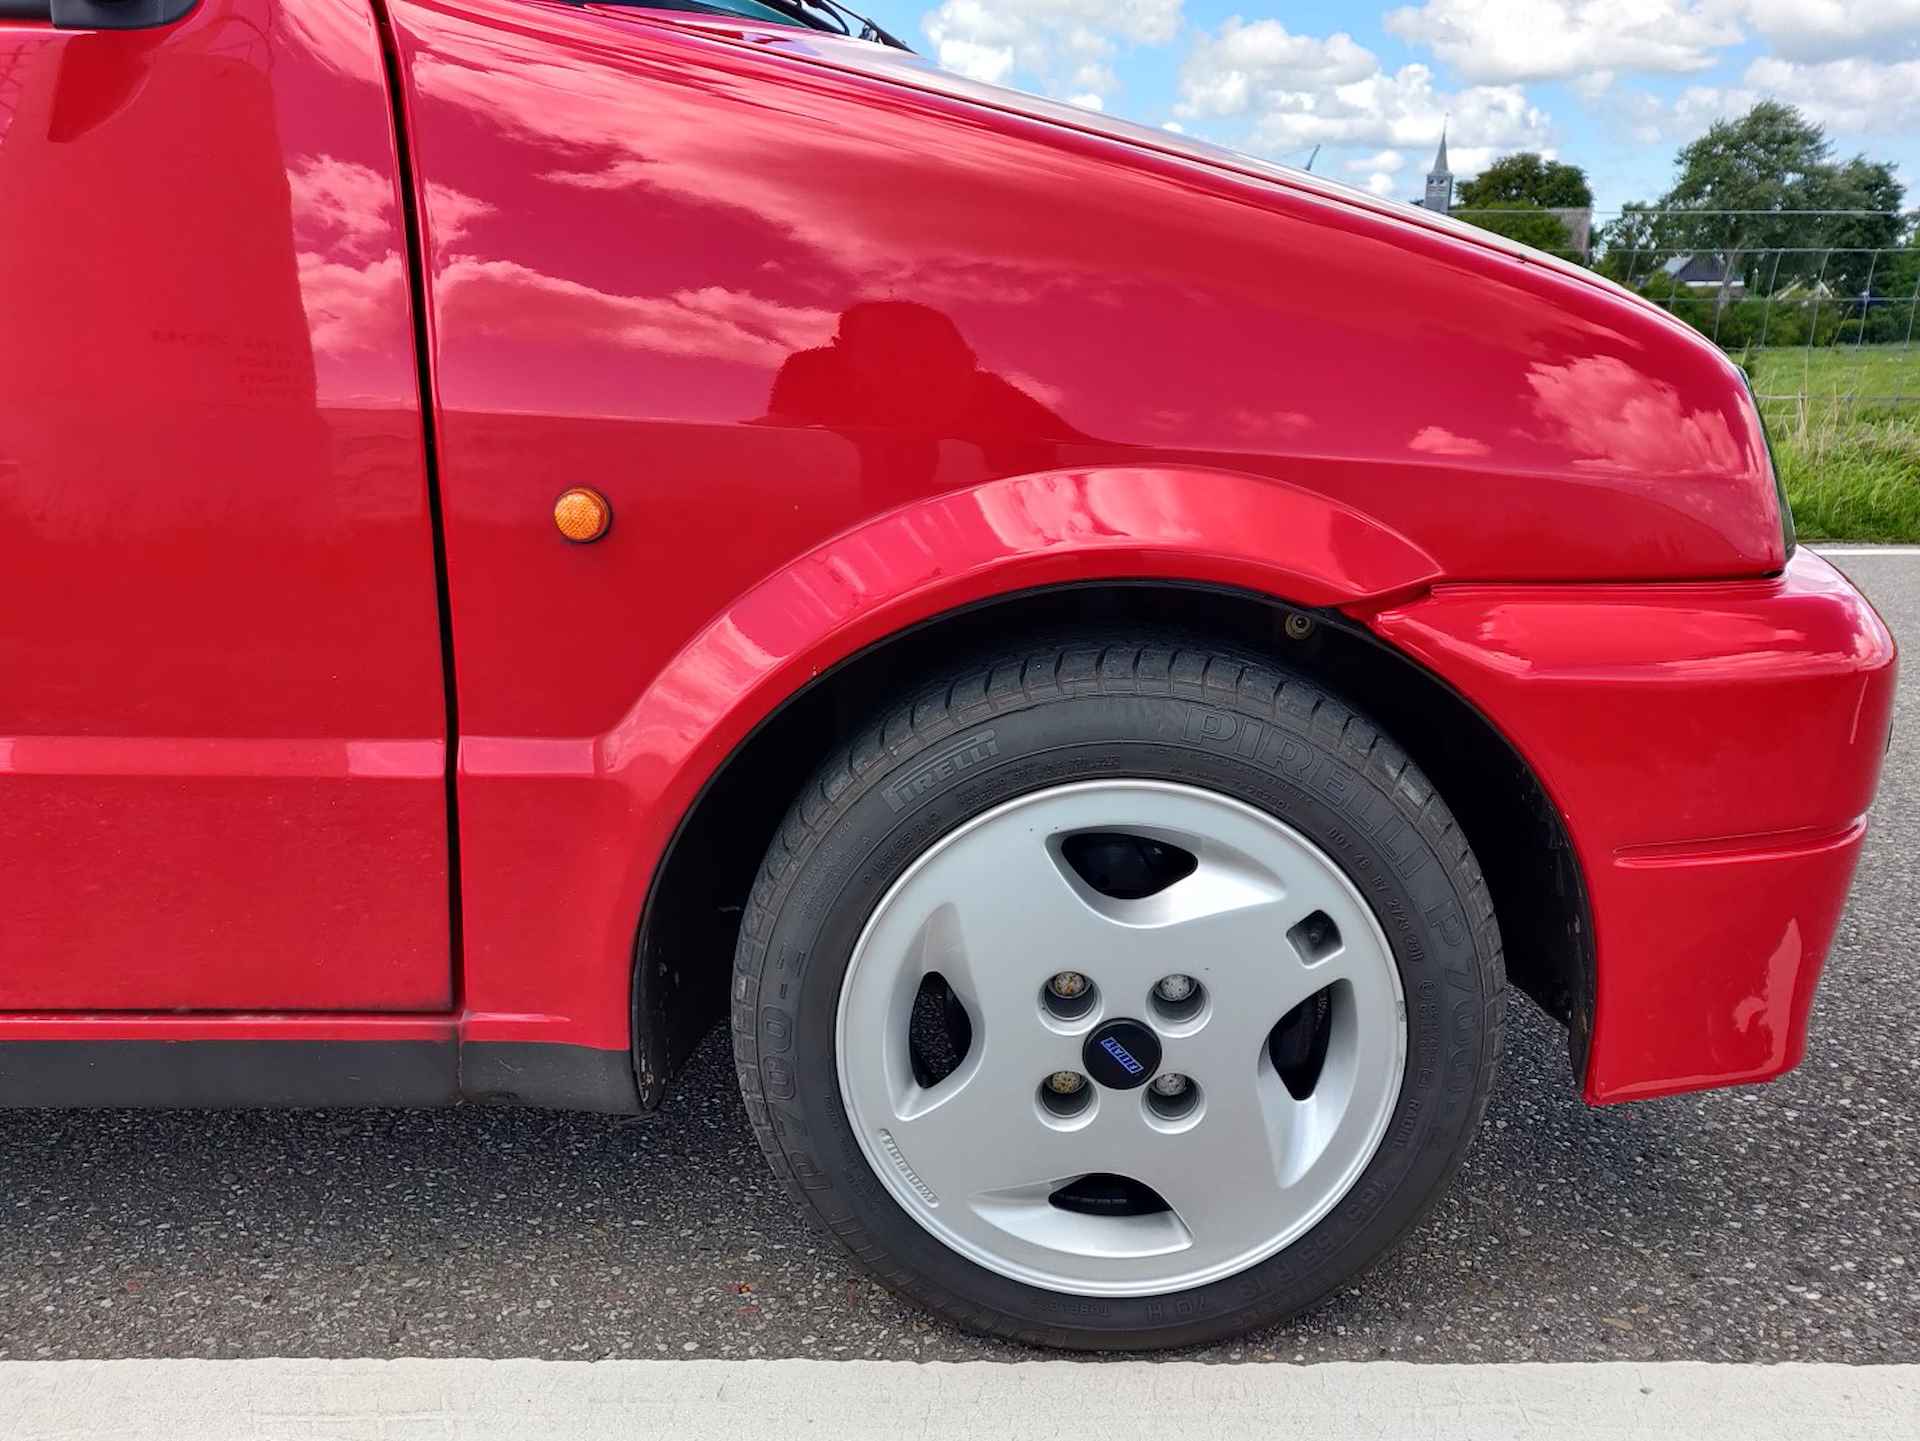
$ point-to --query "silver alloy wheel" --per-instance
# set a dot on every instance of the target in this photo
(1265, 921)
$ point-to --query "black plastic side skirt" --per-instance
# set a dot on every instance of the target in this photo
(224, 1074)
(229, 1075)
(554, 1078)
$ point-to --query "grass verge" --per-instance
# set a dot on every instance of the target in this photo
(1848, 450)
(1850, 479)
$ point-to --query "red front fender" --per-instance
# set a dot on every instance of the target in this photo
(560, 837)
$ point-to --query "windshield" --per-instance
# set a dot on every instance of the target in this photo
(826, 15)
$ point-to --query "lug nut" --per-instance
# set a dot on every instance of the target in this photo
(1067, 985)
(1170, 1083)
(1175, 988)
(1065, 1083)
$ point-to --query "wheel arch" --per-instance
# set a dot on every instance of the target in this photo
(684, 947)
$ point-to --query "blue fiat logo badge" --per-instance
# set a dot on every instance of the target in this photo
(1121, 1054)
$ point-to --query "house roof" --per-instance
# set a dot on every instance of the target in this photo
(1698, 269)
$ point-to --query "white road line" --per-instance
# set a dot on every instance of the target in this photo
(978, 1401)
(1865, 549)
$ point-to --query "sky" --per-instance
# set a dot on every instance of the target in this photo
(1614, 86)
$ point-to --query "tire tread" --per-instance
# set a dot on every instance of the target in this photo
(1188, 668)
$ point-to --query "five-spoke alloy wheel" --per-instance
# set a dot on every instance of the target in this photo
(1118, 994)
(1227, 1163)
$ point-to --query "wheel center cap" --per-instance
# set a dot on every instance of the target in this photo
(1122, 1054)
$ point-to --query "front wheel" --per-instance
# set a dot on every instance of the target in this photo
(1118, 995)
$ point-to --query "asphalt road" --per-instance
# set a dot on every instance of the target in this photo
(1769, 1224)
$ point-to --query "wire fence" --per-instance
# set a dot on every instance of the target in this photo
(1822, 307)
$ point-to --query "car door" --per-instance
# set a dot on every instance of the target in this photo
(222, 700)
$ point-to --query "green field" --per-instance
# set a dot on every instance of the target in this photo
(1845, 422)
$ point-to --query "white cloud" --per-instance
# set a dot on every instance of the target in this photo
(1698, 106)
(1088, 101)
(1589, 42)
(1065, 45)
(1853, 96)
(1301, 91)
(1856, 95)
(1096, 77)
(1653, 121)
(1381, 169)
(1226, 72)
(1391, 161)
(972, 58)
(1824, 29)
(1298, 91)
(1517, 40)
(1404, 109)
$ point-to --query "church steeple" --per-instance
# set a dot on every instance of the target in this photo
(1440, 178)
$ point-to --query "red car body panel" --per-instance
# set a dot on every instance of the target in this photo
(1713, 751)
(850, 344)
(222, 772)
(562, 835)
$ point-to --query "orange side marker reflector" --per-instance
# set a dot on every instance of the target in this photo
(582, 514)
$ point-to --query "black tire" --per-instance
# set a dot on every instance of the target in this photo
(1172, 710)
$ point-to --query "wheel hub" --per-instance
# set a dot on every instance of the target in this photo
(1121, 1055)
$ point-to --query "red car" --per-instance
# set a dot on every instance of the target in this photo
(530, 527)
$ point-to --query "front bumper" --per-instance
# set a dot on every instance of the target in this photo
(1712, 750)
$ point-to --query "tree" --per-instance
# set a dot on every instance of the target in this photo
(1631, 244)
(1528, 224)
(1894, 312)
(1742, 193)
(1854, 266)
(1526, 178)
